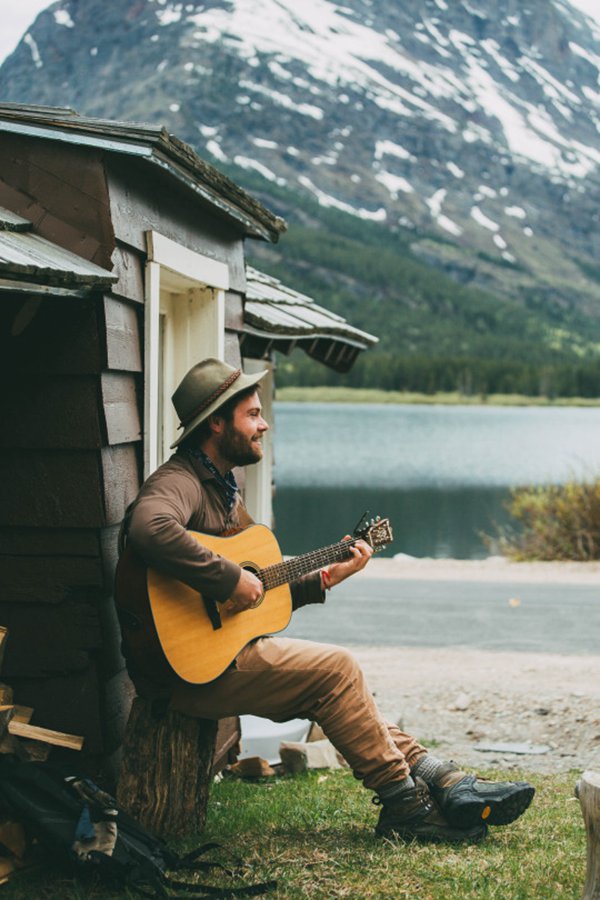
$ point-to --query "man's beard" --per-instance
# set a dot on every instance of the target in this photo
(239, 449)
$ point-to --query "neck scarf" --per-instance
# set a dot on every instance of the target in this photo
(227, 482)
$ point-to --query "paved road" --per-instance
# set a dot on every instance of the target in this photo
(549, 618)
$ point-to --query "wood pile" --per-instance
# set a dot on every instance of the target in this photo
(28, 742)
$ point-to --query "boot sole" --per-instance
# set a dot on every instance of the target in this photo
(489, 810)
(474, 835)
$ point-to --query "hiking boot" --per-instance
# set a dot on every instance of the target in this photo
(414, 815)
(466, 800)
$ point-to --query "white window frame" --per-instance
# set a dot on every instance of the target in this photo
(184, 323)
(258, 488)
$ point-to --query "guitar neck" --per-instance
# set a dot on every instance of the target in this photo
(290, 570)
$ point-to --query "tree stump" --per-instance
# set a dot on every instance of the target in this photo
(587, 790)
(166, 770)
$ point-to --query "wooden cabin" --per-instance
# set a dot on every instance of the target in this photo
(121, 265)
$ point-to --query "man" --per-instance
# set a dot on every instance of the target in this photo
(421, 796)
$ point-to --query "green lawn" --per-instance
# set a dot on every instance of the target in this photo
(314, 834)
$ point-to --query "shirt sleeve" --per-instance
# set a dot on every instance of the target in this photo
(307, 589)
(157, 533)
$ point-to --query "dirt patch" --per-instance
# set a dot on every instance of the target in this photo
(456, 698)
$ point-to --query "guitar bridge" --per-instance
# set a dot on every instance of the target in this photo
(212, 611)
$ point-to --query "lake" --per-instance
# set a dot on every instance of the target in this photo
(442, 474)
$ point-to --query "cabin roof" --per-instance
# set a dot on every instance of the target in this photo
(276, 317)
(30, 263)
(153, 146)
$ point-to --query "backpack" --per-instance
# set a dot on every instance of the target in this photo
(81, 826)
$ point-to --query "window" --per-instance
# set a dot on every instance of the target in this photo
(184, 323)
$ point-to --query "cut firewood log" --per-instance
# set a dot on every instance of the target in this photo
(12, 836)
(45, 735)
(7, 868)
(587, 790)
(22, 714)
(166, 769)
(6, 714)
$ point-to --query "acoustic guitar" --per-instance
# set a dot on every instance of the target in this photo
(200, 638)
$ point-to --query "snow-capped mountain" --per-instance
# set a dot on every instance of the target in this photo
(472, 123)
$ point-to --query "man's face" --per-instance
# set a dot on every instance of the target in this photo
(241, 439)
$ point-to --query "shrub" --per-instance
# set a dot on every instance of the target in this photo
(559, 522)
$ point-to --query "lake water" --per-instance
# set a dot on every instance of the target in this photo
(442, 474)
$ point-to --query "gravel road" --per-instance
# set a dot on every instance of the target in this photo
(460, 696)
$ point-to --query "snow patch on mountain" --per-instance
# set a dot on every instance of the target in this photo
(35, 53)
(62, 17)
(326, 200)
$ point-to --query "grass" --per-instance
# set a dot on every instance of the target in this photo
(370, 395)
(314, 834)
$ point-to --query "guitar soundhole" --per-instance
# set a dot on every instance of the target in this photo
(250, 567)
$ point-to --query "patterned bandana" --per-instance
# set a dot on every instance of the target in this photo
(227, 481)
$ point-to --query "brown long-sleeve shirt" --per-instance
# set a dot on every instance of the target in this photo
(181, 496)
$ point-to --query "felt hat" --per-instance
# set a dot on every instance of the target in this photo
(205, 388)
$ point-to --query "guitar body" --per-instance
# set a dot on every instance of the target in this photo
(195, 650)
(169, 628)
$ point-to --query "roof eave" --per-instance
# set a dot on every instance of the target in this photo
(158, 147)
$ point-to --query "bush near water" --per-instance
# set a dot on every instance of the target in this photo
(558, 522)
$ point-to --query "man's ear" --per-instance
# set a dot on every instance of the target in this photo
(216, 423)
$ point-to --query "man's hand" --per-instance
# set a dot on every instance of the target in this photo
(361, 554)
(247, 593)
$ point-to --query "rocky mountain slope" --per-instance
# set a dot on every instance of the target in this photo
(469, 129)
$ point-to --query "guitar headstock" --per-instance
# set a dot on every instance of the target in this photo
(377, 533)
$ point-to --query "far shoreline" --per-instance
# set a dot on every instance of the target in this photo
(372, 395)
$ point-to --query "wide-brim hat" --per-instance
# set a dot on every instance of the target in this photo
(205, 388)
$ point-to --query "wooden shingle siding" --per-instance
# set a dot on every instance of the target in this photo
(64, 337)
(50, 579)
(234, 311)
(49, 542)
(62, 190)
(129, 265)
(123, 335)
(119, 407)
(62, 641)
(67, 489)
(121, 480)
(52, 411)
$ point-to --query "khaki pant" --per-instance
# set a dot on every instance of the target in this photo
(281, 679)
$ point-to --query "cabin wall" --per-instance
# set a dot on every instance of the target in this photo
(56, 509)
(71, 444)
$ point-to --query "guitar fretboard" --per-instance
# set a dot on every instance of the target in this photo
(290, 570)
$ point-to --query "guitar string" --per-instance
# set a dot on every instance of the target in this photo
(283, 572)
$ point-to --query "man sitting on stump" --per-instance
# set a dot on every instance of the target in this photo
(421, 797)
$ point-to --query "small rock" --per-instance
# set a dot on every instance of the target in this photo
(475, 735)
(252, 767)
(461, 703)
(542, 711)
(298, 756)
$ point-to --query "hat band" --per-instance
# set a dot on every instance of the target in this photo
(211, 399)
